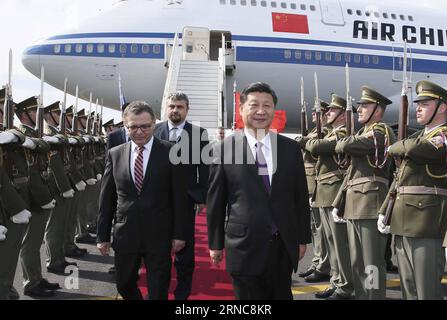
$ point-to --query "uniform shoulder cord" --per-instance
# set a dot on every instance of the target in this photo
(441, 132)
(382, 128)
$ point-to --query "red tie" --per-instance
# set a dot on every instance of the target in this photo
(139, 176)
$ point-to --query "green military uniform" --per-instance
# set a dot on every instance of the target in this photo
(419, 215)
(320, 260)
(330, 174)
(365, 187)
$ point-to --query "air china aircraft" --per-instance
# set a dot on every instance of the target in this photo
(275, 41)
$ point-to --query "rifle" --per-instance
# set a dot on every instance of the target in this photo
(74, 126)
(40, 109)
(63, 117)
(349, 117)
(402, 133)
(8, 107)
(318, 109)
(304, 126)
(96, 120)
(100, 118)
(89, 115)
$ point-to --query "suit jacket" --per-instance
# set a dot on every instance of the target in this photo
(116, 138)
(145, 222)
(196, 170)
(246, 232)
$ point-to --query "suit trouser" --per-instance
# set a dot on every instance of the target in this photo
(421, 265)
(367, 248)
(72, 221)
(86, 205)
(55, 232)
(158, 268)
(9, 253)
(94, 204)
(320, 261)
(30, 250)
(326, 221)
(184, 261)
(340, 235)
(274, 283)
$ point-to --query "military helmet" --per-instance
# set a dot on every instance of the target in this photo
(109, 123)
(370, 95)
(427, 90)
(27, 105)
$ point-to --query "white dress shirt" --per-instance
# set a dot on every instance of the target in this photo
(266, 150)
(179, 129)
(146, 155)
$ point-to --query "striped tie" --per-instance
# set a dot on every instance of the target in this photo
(139, 176)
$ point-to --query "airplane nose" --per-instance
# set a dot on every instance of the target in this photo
(31, 60)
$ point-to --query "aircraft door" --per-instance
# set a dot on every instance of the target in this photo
(196, 44)
(332, 12)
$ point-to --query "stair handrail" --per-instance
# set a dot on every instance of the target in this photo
(172, 76)
(221, 101)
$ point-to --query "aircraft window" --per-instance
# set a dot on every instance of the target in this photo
(254, 3)
(308, 55)
(223, 1)
(376, 14)
(287, 54)
(366, 59)
(312, 8)
(328, 56)
(375, 60)
(393, 16)
(298, 54)
(347, 57)
(410, 18)
(283, 5)
(303, 7)
(57, 48)
(402, 17)
(123, 48)
(112, 48)
(359, 12)
(243, 2)
(156, 48)
(337, 57)
(367, 13)
(89, 48)
(145, 48)
(350, 11)
(134, 48)
(385, 15)
(100, 48)
(357, 58)
(293, 6)
(78, 48)
(263, 3)
(318, 56)
(233, 2)
(273, 4)
(67, 48)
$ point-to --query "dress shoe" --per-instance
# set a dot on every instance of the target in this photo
(306, 273)
(60, 270)
(87, 239)
(13, 294)
(66, 264)
(391, 268)
(48, 285)
(326, 293)
(91, 228)
(39, 292)
(317, 277)
(74, 253)
(337, 296)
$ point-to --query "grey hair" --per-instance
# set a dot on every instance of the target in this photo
(179, 96)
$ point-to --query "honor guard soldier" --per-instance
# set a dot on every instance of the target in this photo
(364, 189)
(419, 214)
(331, 171)
(320, 267)
(109, 126)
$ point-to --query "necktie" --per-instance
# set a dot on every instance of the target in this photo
(264, 173)
(139, 176)
(173, 135)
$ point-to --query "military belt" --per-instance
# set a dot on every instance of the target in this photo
(422, 190)
(331, 174)
(363, 180)
(21, 180)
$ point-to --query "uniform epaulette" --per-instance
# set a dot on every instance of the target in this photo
(380, 127)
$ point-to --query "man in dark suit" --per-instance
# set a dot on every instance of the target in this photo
(190, 140)
(145, 194)
(258, 206)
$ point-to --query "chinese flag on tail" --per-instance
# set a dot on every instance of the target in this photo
(292, 23)
(278, 124)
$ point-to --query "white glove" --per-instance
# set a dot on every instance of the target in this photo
(50, 205)
(72, 141)
(3, 232)
(51, 139)
(91, 182)
(80, 186)
(96, 139)
(336, 218)
(29, 144)
(86, 139)
(8, 137)
(22, 217)
(68, 194)
(99, 177)
(381, 225)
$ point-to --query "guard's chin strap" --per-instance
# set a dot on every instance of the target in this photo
(372, 113)
(52, 117)
(338, 115)
(436, 111)
(30, 119)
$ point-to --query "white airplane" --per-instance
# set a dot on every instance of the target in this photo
(275, 41)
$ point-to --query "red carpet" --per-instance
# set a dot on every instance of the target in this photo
(210, 282)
